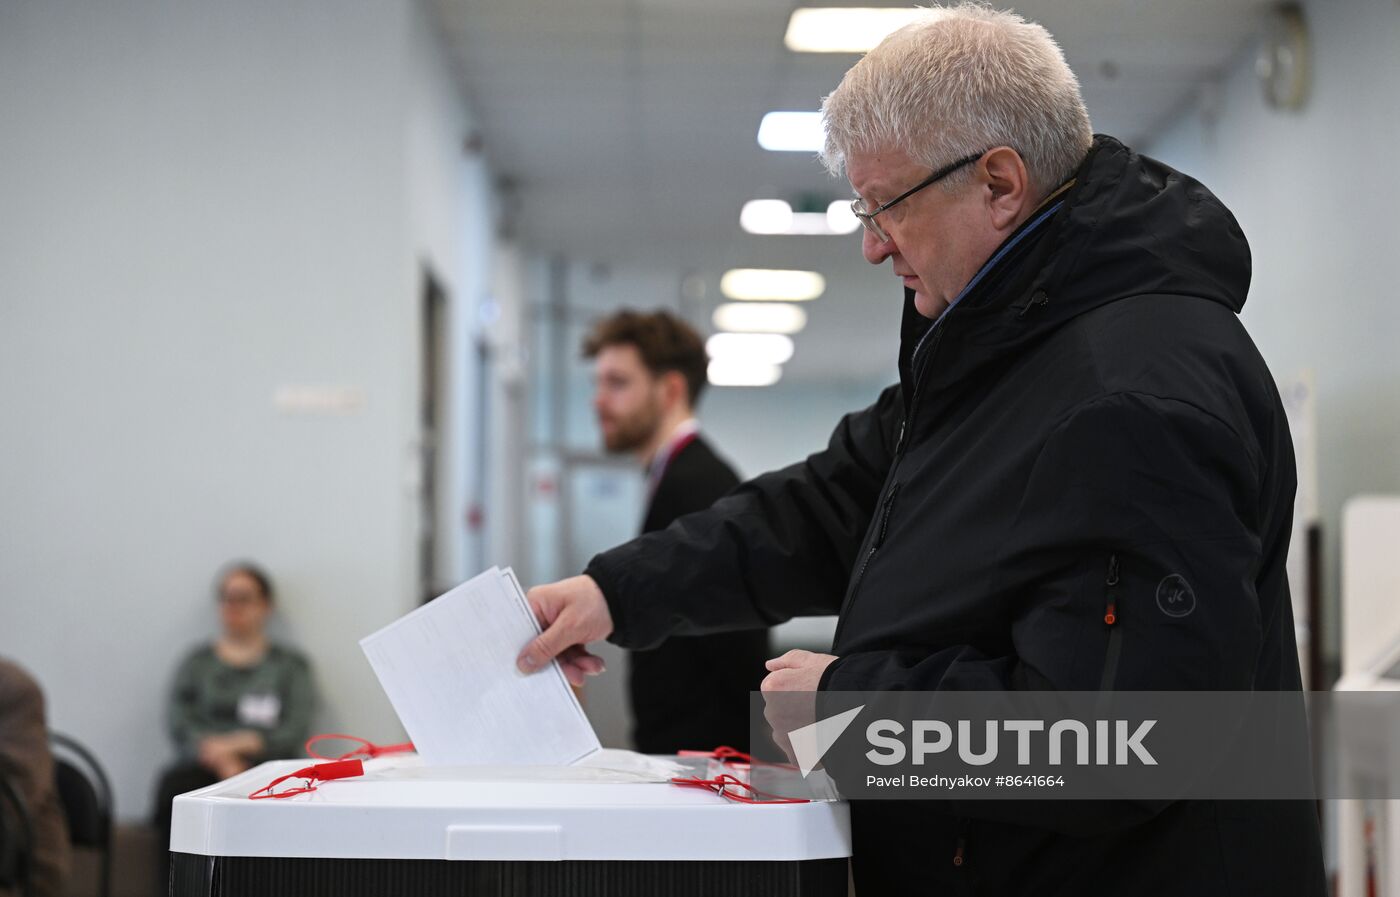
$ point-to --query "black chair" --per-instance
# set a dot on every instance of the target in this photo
(16, 838)
(86, 795)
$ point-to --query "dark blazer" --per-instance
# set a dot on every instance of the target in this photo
(692, 692)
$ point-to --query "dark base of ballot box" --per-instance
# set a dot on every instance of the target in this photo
(192, 875)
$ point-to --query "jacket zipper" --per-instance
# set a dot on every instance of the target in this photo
(1110, 619)
(879, 539)
(885, 518)
(906, 426)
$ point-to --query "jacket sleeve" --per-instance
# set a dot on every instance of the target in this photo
(1147, 502)
(779, 546)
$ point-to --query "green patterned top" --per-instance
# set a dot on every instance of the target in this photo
(275, 697)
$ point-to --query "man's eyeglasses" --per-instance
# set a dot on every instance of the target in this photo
(867, 217)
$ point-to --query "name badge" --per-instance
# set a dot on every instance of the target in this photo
(259, 710)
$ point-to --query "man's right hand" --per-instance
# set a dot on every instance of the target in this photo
(572, 613)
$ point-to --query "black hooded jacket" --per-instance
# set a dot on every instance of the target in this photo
(1091, 409)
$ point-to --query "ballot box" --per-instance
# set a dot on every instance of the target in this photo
(406, 830)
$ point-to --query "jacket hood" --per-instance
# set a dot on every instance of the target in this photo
(1133, 225)
(1130, 226)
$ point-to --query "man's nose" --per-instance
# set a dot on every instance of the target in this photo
(874, 249)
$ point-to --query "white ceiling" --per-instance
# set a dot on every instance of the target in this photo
(628, 126)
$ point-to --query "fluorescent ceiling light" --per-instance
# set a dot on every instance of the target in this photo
(840, 219)
(844, 30)
(759, 317)
(775, 216)
(753, 348)
(766, 216)
(733, 372)
(768, 283)
(807, 223)
(791, 132)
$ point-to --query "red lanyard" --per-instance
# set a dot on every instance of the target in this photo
(723, 783)
(726, 753)
(667, 455)
(320, 772)
(366, 750)
(343, 766)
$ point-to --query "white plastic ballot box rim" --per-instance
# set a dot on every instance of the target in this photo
(442, 818)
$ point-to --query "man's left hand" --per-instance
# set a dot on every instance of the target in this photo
(796, 671)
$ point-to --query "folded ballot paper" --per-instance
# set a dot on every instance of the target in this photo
(449, 670)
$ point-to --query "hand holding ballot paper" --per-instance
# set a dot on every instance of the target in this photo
(574, 613)
(449, 669)
(452, 672)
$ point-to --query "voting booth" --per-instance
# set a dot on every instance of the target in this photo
(403, 828)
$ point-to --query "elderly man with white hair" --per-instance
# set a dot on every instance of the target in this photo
(1080, 421)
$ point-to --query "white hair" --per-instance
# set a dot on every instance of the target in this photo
(961, 80)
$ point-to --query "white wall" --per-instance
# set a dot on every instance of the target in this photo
(765, 429)
(203, 202)
(1316, 192)
(451, 232)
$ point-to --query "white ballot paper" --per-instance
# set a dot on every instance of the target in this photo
(449, 670)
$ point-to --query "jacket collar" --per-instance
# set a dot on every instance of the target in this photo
(1129, 226)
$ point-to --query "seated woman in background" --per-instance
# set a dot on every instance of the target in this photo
(238, 700)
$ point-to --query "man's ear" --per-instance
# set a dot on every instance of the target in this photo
(1008, 187)
(674, 389)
